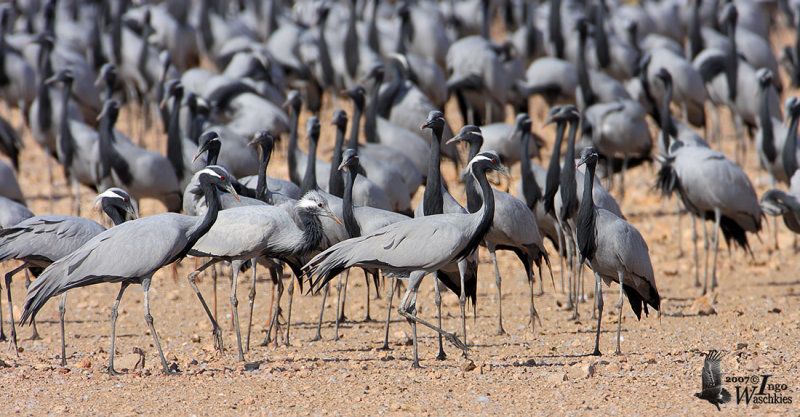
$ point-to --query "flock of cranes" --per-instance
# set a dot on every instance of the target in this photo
(218, 83)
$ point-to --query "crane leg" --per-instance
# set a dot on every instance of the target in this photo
(342, 317)
(462, 298)
(217, 332)
(707, 248)
(35, 335)
(3, 337)
(498, 282)
(148, 318)
(8, 277)
(76, 187)
(696, 256)
(622, 178)
(214, 288)
(321, 312)
(577, 274)
(274, 321)
(62, 310)
(560, 256)
(114, 315)
(289, 314)
(438, 299)
(235, 265)
(339, 305)
(717, 218)
(388, 316)
(619, 305)
(680, 229)
(534, 314)
(406, 310)
(251, 299)
(367, 318)
(599, 288)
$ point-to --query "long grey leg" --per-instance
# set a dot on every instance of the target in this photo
(149, 320)
(3, 337)
(252, 298)
(214, 287)
(621, 275)
(599, 288)
(534, 314)
(10, 275)
(705, 261)
(438, 298)
(577, 272)
(696, 255)
(388, 315)
(560, 257)
(273, 323)
(367, 318)
(35, 335)
(321, 312)
(340, 285)
(289, 314)
(114, 315)
(679, 232)
(462, 297)
(76, 187)
(498, 283)
(217, 332)
(62, 310)
(235, 265)
(717, 218)
(342, 317)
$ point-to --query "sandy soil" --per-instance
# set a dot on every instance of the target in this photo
(756, 323)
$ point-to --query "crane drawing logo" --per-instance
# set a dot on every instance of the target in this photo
(712, 390)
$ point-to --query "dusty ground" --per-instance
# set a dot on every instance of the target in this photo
(756, 323)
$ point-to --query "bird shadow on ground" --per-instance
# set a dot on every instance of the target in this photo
(779, 283)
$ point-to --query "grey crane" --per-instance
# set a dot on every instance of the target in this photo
(128, 253)
(513, 227)
(437, 200)
(145, 174)
(711, 186)
(244, 233)
(787, 205)
(363, 220)
(41, 240)
(772, 134)
(415, 247)
(616, 252)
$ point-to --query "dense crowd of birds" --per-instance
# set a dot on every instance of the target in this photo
(223, 81)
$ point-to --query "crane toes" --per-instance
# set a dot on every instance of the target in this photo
(455, 341)
(218, 340)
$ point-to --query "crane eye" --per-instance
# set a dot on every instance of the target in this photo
(222, 177)
(125, 200)
(319, 204)
(494, 161)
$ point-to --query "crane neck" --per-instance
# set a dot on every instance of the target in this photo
(358, 110)
(790, 145)
(485, 19)
(473, 196)
(262, 191)
(351, 43)
(666, 117)
(601, 37)
(294, 152)
(45, 115)
(486, 212)
(695, 36)
(312, 233)
(569, 192)
(765, 120)
(432, 199)
(310, 177)
(348, 216)
(587, 216)
(583, 72)
(141, 59)
(336, 185)
(731, 61)
(113, 212)
(203, 224)
(66, 142)
(174, 139)
(554, 28)
(372, 31)
(554, 170)
(324, 57)
(371, 112)
(530, 188)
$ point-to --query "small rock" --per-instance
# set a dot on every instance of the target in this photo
(195, 338)
(468, 366)
(85, 363)
(482, 399)
(251, 366)
(63, 370)
(740, 346)
(3, 364)
(649, 358)
(775, 310)
(703, 306)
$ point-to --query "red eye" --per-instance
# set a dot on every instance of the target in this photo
(222, 177)
(494, 160)
(319, 204)
(125, 200)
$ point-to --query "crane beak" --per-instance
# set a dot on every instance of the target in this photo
(454, 139)
(231, 190)
(503, 170)
(132, 212)
(334, 218)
